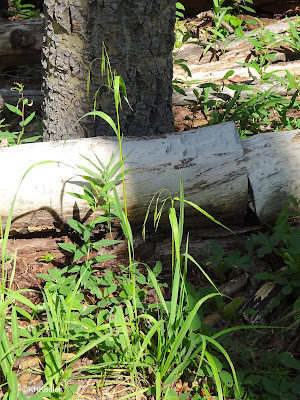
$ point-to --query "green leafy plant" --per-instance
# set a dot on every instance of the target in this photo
(48, 258)
(292, 38)
(16, 138)
(283, 243)
(266, 375)
(179, 10)
(26, 11)
(10, 351)
(182, 35)
(223, 264)
(253, 110)
(264, 42)
(178, 344)
(226, 25)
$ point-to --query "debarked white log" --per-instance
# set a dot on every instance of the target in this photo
(210, 161)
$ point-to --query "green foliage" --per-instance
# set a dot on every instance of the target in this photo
(16, 138)
(293, 36)
(271, 375)
(221, 264)
(26, 11)
(179, 346)
(48, 258)
(283, 243)
(263, 42)
(179, 10)
(226, 24)
(182, 35)
(249, 106)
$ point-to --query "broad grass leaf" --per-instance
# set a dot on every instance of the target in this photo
(12, 381)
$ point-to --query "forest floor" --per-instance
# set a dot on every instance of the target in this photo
(31, 246)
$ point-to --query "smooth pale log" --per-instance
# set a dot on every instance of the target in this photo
(34, 96)
(21, 42)
(273, 164)
(210, 161)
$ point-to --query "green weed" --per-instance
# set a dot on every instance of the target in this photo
(16, 138)
(25, 10)
(283, 243)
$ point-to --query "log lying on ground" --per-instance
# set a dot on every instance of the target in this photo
(273, 165)
(12, 96)
(210, 161)
(214, 164)
(21, 42)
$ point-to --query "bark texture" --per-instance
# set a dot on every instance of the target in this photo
(139, 37)
(65, 62)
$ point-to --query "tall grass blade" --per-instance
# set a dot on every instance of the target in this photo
(185, 327)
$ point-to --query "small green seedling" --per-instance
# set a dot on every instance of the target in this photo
(47, 258)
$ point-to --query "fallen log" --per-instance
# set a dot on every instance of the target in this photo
(273, 165)
(210, 161)
(21, 42)
(12, 96)
(214, 164)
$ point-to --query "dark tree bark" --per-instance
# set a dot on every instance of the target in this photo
(3, 7)
(139, 37)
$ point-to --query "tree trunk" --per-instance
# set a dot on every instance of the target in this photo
(139, 37)
(3, 7)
